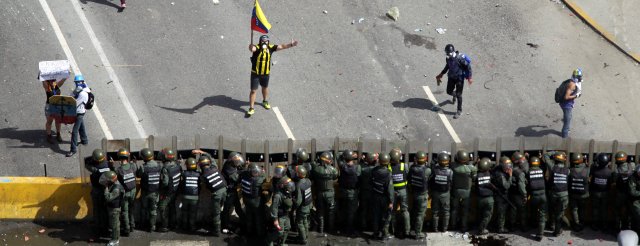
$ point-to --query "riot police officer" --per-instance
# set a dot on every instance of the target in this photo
(324, 175)
(281, 204)
(602, 178)
(518, 192)
(624, 170)
(127, 177)
(191, 193)
(303, 203)
(501, 180)
(419, 175)
(485, 194)
(348, 184)
(216, 184)
(150, 182)
(113, 194)
(579, 189)
(464, 172)
(279, 172)
(171, 174)
(382, 197)
(441, 179)
(364, 185)
(536, 186)
(251, 181)
(634, 193)
(301, 158)
(230, 173)
(399, 171)
(558, 178)
(97, 167)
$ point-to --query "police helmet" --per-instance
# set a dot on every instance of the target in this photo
(301, 171)
(236, 158)
(462, 157)
(444, 159)
(371, 158)
(621, 157)
(602, 159)
(347, 155)
(484, 164)
(191, 164)
(287, 185)
(326, 157)
(123, 154)
(534, 161)
(396, 155)
(576, 158)
(384, 159)
(279, 171)
(421, 157)
(254, 169)
(146, 154)
(302, 155)
(560, 156)
(204, 161)
(517, 157)
(98, 155)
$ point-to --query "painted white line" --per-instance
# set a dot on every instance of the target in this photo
(72, 61)
(283, 123)
(216, 2)
(442, 116)
(110, 71)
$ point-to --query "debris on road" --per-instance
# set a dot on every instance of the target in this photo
(360, 20)
(42, 230)
(532, 45)
(428, 23)
(325, 12)
(446, 16)
(216, 2)
(393, 13)
(441, 30)
(221, 37)
(173, 3)
(605, 65)
(418, 30)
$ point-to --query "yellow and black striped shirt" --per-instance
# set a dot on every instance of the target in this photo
(261, 60)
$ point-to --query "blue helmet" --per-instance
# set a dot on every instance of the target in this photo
(78, 78)
(577, 74)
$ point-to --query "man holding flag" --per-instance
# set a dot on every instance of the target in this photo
(261, 58)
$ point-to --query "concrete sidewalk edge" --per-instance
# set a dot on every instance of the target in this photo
(598, 28)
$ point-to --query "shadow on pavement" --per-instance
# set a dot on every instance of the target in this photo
(31, 139)
(422, 103)
(219, 100)
(535, 131)
(103, 2)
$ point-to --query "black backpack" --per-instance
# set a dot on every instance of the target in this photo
(90, 101)
(561, 90)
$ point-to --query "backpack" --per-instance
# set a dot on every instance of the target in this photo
(465, 70)
(561, 90)
(90, 101)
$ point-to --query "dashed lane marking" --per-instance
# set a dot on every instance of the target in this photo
(284, 124)
(72, 61)
(444, 119)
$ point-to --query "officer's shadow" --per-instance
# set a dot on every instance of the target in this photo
(219, 100)
(423, 104)
(30, 139)
(536, 131)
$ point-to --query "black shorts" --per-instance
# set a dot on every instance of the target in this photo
(454, 84)
(263, 80)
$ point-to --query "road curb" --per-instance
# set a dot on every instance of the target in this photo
(601, 30)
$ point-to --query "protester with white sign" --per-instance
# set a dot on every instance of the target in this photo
(53, 74)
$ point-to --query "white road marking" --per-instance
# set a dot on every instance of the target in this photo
(442, 116)
(283, 123)
(216, 2)
(107, 66)
(72, 61)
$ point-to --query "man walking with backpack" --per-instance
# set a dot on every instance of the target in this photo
(458, 68)
(81, 94)
(566, 94)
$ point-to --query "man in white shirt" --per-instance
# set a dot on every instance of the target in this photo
(81, 93)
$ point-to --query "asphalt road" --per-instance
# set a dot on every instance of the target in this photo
(183, 69)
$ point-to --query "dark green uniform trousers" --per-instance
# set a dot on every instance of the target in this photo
(217, 201)
(440, 205)
(381, 214)
(280, 237)
(402, 200)
(348, 207)
(418, 212)
(150, 208)
(518, 216)
(560, 204)
(100, 217)
(600, 207)
(365, 209)
(538, 204)
(326, 205)
(231, 203)
(302, 222)
(127, 210)
(167, 210)
(254, 216)
(114, 222)
(578, 205)
(622, 211)
(460, 203)
(635, 212)
(189, 213)
(485, 211)
(501, 210)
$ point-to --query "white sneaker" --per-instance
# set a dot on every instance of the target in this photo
(113, 243)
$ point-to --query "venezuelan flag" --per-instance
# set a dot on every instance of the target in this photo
(259, 22)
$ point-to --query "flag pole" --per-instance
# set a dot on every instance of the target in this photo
(254, 6)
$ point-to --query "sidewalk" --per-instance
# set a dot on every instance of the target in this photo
(615, 20)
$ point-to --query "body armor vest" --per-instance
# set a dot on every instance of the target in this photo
(304, 185)
(536, 179)
(127, 177)
(418, 182)
(514, 189)
(175, 174)
(348, 177)
(190, 183)
(151, 178)
(215, 181)
(441, 181)
(250, 186)
(579, 181)
(601, 179)
(227, 172)
(95, 176)
(484, 184)
(380, 180)
(365, 178)
(624, 173)
(117, 202)
(399, 176)
(559, 177)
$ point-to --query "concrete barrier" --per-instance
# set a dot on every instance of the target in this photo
(41, 198)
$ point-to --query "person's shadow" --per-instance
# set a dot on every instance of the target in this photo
(31, 139)
(219, 100)
(103, 2)
(424, 104)
(536, 131)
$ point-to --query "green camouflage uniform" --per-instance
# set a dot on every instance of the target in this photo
(463, 176)
(113, 198)
(518, 197)
(323, 179)
(418, 183)
(281, 205)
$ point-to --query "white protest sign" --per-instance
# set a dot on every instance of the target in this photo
(54, 70)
